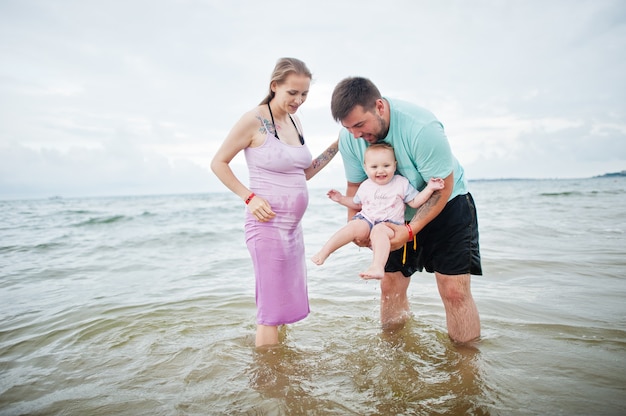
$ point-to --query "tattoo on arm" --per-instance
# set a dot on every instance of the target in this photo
(324, 158)
(425, 209)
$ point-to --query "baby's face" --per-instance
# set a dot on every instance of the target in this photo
(380, 165)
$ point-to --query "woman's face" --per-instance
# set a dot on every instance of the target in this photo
(292, 93)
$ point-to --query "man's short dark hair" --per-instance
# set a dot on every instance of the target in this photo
(351, 92)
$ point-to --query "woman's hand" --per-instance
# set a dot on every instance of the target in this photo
(260, 209)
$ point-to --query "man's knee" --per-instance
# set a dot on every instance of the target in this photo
(454, 289)
(394, 284)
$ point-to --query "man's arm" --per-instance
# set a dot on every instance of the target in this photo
(424, 214)
(350, 192)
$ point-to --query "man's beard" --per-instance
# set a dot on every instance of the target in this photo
(383, 130)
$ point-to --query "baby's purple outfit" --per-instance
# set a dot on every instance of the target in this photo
(277, 246)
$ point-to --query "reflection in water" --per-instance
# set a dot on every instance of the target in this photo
(290, 376)
(425, 373)
(407, 371)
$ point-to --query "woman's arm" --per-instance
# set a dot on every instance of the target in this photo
(322, 160)
(240, 137)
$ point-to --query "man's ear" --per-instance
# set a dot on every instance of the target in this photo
(380, 107)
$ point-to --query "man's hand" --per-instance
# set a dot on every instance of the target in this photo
(400, 236)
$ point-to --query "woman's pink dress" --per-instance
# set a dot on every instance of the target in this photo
(277, 246)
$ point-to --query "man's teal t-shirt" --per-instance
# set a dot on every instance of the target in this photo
(420, 145)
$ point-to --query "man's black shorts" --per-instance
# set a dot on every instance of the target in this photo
(447, 245)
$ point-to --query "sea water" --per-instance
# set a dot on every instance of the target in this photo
(145, 306)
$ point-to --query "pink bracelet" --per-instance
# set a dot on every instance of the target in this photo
(252, 195)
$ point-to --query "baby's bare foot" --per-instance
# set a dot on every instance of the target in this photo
(373, 273)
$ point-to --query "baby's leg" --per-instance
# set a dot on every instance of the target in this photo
(356, 228)
(379, 237)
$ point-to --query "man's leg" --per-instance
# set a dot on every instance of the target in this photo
(461, 312)
(394, 304)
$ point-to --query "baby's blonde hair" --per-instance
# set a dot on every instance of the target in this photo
(379, 146)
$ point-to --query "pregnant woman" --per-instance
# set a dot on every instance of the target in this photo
(279, 164)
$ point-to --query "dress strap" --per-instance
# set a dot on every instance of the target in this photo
(273, 124)
(290, 118)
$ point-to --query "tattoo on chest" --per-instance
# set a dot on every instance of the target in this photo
(266, 126)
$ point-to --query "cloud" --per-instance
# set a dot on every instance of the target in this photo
(96, 172)
(137, 96)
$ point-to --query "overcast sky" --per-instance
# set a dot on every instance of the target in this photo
(133, 97)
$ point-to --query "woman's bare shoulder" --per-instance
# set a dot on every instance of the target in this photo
(254, 122)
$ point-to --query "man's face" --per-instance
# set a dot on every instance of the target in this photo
(367, 125)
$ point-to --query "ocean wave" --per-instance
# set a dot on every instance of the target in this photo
(593, 192)
(103, 220)
(566, 193)
(31, 248)
(76, 212)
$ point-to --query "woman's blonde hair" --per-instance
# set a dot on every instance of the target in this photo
(284, 67)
